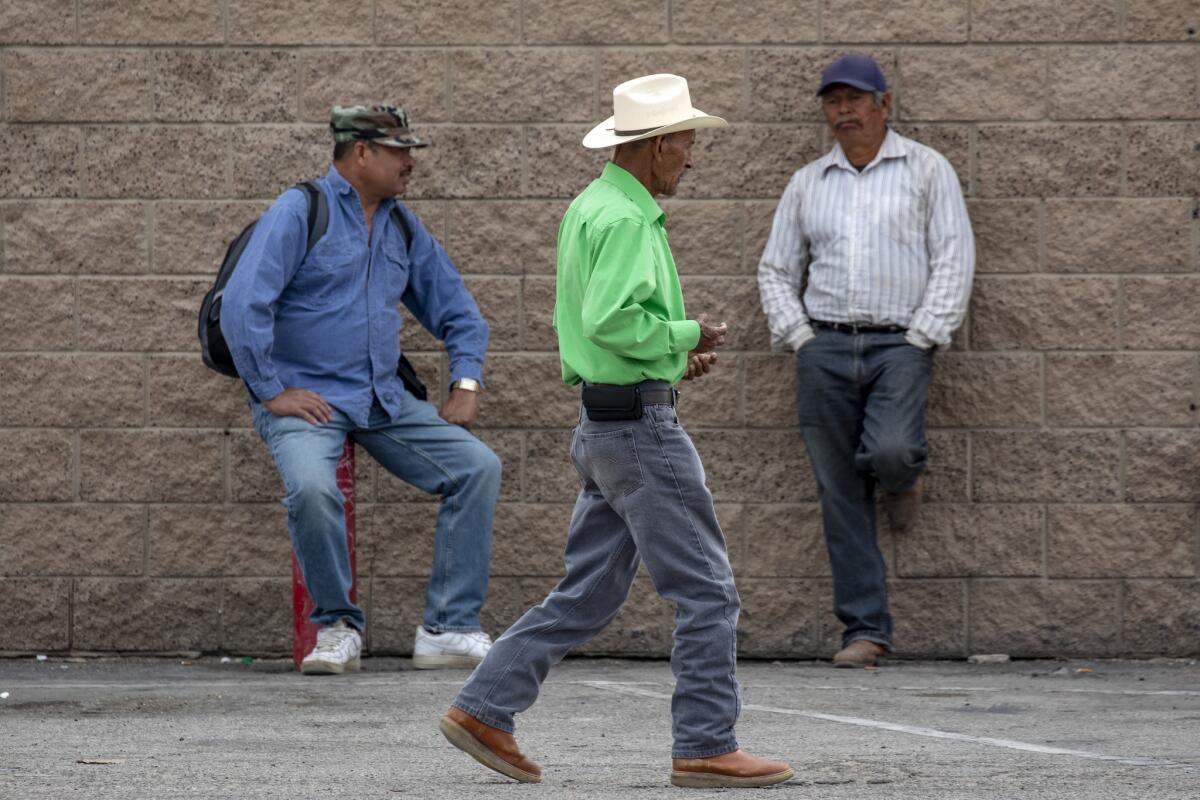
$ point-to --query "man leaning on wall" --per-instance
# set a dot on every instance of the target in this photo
(876, 236)
(315, 336)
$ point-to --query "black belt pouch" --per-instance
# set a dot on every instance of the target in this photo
(610, 403)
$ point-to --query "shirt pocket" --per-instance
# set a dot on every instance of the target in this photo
(898, 216)
(327, 274)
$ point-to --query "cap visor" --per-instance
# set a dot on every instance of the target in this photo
(398, 143)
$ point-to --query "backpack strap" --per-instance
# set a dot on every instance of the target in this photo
(402, 223)
(318, 213)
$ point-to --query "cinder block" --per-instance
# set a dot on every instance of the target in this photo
(578, 22)
(951, 141)
(780, 617)
(775, 540)
(748, 162)
(151, 466)
(37, 22)
(1109, 82)
(141, 314)
(538, 85)
(499, 300)
(1046, 466)
(1035, 618)
(78, 85)
(529, 539)
(1160, 618)
(526, 391)
(72, 539)
(1045, 20)
(986, 390)
(106, 238)
(468, 161)
(752, 22)
(1007, 234)
(1048, 160)
(1044, 313)
(150, 22)
(256, 616)
(49, 162)
(301, 22)
(1127, 235)
(509, 237)
(732, 300)
(154, 161)
(266, 160)
(252, 474)
(769, 399)
(1137, 389)
(225, 85)
(1158, 313)
(706, 237)
(948, 83)
(713, 400)
(784, 80)
(715, 75)
(537, 306)
(1121, 541)
(1162, 20)
(72, 391)
(550, 477)
(218, 540)
(191, 237)
(41, 614)
(1164, 159)
(972, 540)
(39, 314)
(896, 21)
(160, 615)
(36, 465)
(1160, 466)
(946, 472)
(457, 22)
(183, 393)
(929, 617)
(643, 626)
(351, 77)
(557, 163)
(760, 216)
(396, 539)
(759, 466)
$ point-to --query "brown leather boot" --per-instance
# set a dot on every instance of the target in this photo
(859, 653)
(902, 507)
(738, 769)
(489, 746)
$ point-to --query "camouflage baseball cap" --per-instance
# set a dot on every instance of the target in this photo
(386, 125)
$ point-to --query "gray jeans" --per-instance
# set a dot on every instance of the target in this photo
(643, 498)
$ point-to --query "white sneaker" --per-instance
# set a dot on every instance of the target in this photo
(449, 649)
(337, 650)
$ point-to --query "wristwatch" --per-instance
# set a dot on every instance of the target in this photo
(466, 384)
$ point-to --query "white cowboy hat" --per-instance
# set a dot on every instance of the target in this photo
(646, 107)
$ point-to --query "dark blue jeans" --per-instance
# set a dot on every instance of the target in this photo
(861, 399)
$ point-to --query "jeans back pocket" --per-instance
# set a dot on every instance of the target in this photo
(612, 460)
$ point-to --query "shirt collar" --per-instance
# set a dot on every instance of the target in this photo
(893, 147)
(634, 190)
(343, 187)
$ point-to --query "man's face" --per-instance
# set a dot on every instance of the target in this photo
(672, 156)
(386, 169)
(853, 116)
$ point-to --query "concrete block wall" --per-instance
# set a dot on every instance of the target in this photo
(138, 511)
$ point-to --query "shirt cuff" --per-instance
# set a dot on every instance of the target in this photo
(266, 390)
(918, 339)
(684, 335)
(800, 336)
(466, 369)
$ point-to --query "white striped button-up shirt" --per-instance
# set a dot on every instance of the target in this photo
(890, 245)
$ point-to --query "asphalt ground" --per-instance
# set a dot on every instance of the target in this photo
(601, 729)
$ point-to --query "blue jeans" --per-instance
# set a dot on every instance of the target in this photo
(643, 498)
(420, 448)
(861, 399)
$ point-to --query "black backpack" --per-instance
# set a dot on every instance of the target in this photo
(213, 348)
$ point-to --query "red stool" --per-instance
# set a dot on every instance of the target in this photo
(304, 632)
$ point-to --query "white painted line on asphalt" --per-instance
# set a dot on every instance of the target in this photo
(915, 730)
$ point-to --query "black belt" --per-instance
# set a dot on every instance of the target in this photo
(842, 327)
(653, 393)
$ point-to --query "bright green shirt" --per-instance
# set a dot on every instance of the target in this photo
(619, 309)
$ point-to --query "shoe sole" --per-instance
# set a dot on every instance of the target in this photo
(445, 662)
(713, 780)
(461, 738)
(329, 667)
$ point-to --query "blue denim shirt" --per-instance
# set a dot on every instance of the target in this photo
(329, 322)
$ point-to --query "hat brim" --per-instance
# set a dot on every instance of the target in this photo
(604, 135)
(398, 143)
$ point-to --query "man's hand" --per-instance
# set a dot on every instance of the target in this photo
(461, 408)
(711, 336)
(699, 364)
(300, 403)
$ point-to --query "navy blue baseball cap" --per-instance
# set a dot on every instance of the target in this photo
(854, 69)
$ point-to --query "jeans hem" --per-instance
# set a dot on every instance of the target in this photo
(486, 719)
(877, 638)
(709, 752)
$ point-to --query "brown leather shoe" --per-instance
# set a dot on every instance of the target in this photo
(738, 769)
(489, 746)
(902, 507)
(859, 653)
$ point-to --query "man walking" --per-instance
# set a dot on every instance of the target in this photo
(879, 231)
(623, 334)
(315, 337)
